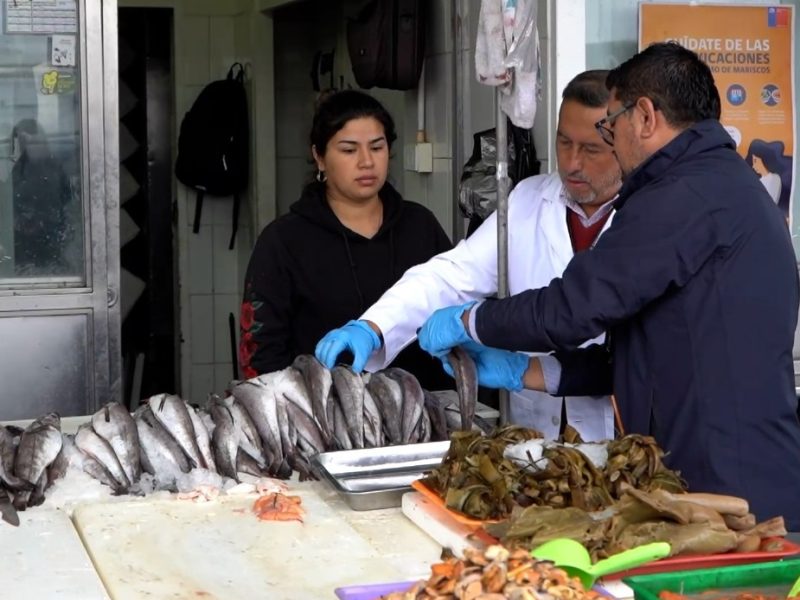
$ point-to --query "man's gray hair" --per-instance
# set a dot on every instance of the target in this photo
(588, 89)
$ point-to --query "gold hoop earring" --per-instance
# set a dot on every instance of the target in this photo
(321, 177)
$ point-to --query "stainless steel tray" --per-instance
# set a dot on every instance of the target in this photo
(377, 477)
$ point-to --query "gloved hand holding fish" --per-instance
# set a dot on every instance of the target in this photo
(497, 369)
(444, 330)
(270, 426)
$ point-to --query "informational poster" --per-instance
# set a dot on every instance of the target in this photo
(40, 16)
(62, 50)
(750, 52)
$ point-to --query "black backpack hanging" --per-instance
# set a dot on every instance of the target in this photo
(386, 43)
(214, 144)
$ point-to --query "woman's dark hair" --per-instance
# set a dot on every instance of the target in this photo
(770, 153)
(337, 108)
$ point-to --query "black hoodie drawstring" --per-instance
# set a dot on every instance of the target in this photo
(362, 308)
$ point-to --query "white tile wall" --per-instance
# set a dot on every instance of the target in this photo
(225, 275)
(224, 304)
(222, 46)
(439, 103)
(200, 258)
(202, 378)
(201, 310)
(440, 191)
(195, 68)
(209, 37)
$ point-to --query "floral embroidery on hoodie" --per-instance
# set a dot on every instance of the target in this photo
(247, 345)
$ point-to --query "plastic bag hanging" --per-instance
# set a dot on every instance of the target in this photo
(507, 55)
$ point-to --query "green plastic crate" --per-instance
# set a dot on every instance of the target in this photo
(767, 574)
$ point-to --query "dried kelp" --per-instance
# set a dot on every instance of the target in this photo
(478, 480)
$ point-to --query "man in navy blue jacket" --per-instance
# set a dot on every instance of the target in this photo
(696, 283)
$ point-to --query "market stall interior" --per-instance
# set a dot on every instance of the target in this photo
(136, 460)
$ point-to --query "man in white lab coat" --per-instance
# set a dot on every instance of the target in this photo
(550, 217)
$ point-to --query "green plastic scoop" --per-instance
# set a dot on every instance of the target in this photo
(572, 557)
(795, 591)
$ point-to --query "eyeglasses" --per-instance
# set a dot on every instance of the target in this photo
(602, 125)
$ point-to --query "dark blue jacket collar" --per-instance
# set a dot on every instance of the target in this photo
(700, 137)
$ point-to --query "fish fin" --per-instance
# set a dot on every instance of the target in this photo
(20, 485)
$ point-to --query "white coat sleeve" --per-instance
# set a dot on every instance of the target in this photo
(467, 272)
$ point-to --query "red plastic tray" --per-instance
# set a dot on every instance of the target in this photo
(678, 563)
(705, 561)
(439, 501)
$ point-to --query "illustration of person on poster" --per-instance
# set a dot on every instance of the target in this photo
(749, 50)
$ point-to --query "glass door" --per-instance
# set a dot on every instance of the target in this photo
(59, 323)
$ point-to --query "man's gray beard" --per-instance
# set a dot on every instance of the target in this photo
(587, 199)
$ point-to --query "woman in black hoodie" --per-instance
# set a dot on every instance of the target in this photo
(347, 240)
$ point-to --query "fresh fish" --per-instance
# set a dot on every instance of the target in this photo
(76, 459)
(453, 416)
(7, 510)
(58, 468)
(294, 388)
(246, 464)
(39, 446)
(388, 395)
(413, 402)
(37, 495)
(373, 426)
(318, 381)
(203, 439)
(466, 375)
(90, 443)
(435, 407)
(350, 392)
(307, 429)
(172, 412)
(249, 440)
(115, 425)
(340, 428)
(160, 453)
(225, 440)
(94, 468)
(7, 453)
(257, 396)
(424, 429)
(329, 409)
(287, 431)
(303, 465)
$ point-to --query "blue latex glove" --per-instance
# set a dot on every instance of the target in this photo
(444, 330)
(356, 336)
(499, 369)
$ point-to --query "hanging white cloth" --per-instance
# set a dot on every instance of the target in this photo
(507, 55)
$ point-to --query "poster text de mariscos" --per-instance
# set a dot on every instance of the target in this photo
(729, 55)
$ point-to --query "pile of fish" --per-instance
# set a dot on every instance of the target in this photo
(270, 425)
(29, 461)
(306, 409)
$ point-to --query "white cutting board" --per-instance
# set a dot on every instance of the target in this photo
(439, 524)
(44, 558)
(219, 549)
